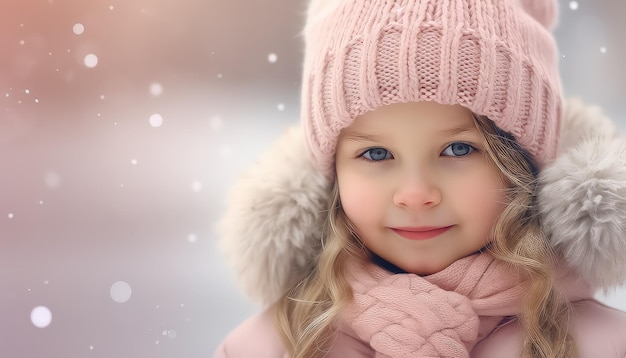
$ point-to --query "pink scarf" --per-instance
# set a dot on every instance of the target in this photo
(405, 315)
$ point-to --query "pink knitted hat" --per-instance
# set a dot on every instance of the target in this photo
(496, 57)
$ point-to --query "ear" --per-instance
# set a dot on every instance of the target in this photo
(271, 231)
(583, 196)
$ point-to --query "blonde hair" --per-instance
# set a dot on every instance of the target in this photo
(518, 239)
(308, 314)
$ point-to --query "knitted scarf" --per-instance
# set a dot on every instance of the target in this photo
(406, 315)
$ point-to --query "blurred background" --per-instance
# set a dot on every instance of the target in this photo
(122, 125)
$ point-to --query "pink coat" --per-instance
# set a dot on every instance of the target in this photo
(600, 331)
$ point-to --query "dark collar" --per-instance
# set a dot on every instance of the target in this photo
(382, 263)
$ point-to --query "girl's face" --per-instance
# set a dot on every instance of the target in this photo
(417, 184)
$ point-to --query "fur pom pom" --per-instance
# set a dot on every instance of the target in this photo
(583, 197)
(271, 230)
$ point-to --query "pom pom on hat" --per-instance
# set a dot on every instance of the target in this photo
(544, 11)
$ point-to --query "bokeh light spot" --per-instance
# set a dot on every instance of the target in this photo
(91, 60)
(41, 316)
(78, 28)
(52, 180)
(120, 292)
(156, 120)
(156, 89)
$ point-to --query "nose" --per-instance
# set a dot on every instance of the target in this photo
(417, 191)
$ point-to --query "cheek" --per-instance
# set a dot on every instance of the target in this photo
(359, 200)
(484, 200)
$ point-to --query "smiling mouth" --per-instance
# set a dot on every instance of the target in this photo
(420, 233)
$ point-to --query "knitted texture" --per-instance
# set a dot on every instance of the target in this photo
(405, 315)
(495, 57)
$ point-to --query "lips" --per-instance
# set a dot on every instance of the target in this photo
(422, 233)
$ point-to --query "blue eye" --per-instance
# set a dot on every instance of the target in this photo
(376, 154)
(458, 149)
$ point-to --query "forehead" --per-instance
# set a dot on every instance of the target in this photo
(413, 117)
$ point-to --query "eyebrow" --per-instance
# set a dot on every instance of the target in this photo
(459, 130)
(360, 137)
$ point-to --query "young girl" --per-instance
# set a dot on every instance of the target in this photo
(427, 209)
